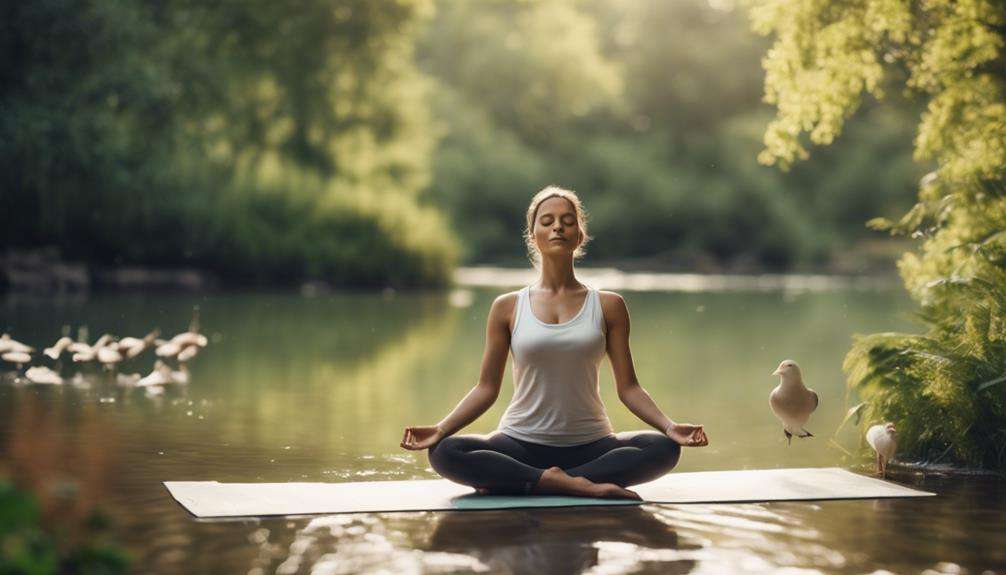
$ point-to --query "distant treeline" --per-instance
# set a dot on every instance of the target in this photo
(358, 141)
(652, 111)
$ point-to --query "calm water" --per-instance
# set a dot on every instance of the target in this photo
(297, 388)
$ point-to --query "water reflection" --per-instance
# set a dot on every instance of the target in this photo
(559, 541)
(318, 388)
(562, 540)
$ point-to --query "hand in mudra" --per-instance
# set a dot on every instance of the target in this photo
(421, 437)
(688, 435)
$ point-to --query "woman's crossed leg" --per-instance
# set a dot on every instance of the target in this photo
(498, 463)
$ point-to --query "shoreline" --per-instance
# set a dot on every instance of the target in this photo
(42, 272)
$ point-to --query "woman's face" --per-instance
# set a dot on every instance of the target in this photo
(555, 227)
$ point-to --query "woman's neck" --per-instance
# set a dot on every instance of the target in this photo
(557, 274)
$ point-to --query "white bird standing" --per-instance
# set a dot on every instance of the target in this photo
(57, 348)
(8, 345)
(191, 337)
(83, 353)
(791, 401)
(883, 438)
(109, 355)
(178, 346)
(166, 348)
(132, 346)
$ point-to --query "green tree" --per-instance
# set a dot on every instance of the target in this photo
(257, 139)
(533, 66)
(651, 110)
(945, 387)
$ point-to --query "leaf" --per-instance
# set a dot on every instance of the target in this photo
(881, 224)
(936, 358)
(854, 411)
(983, 386)
(951, 281)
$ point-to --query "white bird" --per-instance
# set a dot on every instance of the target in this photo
(7, 345)
(167, 348)
(133, 346)
(57, 348)
(83, 353)
(18, 358)
(109, 355)
(791, 401)
(191, 337)
(883, 438)
(188, 338)
(43, 375)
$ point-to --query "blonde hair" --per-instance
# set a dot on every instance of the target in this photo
(532, 212)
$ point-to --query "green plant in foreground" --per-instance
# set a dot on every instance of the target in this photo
(27, 549)
(945, 388)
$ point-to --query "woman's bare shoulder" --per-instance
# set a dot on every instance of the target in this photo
(612, 304)
(503, 305)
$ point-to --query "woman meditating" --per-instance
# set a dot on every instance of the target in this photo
(555, 437)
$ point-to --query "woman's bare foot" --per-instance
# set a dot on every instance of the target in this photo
(555, 481)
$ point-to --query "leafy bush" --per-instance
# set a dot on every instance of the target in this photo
(26, 548)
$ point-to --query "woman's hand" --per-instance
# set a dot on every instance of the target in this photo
(687, 435)
(421, 437)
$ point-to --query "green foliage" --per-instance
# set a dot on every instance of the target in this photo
(651, 111)
(298, 225)
(142, 133)
(532, 66)
(28, 549)
(942, 387)
(128, 126)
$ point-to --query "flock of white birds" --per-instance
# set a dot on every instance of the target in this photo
(793, 402)
(109, 351)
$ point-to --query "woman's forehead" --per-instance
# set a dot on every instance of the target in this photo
(556, 205)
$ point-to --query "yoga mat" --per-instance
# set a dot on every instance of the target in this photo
(213, 499)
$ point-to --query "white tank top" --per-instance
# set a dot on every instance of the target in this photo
(556, 398)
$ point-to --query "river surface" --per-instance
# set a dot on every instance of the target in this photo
(296, 387)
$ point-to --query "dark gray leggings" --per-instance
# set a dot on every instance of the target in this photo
(505, 464)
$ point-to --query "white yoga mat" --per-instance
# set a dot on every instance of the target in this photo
(213, 499)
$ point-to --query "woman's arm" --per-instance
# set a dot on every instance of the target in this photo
(639, 402)
(485, 392)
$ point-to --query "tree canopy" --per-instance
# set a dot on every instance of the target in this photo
(269, 134)
(945, 386)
